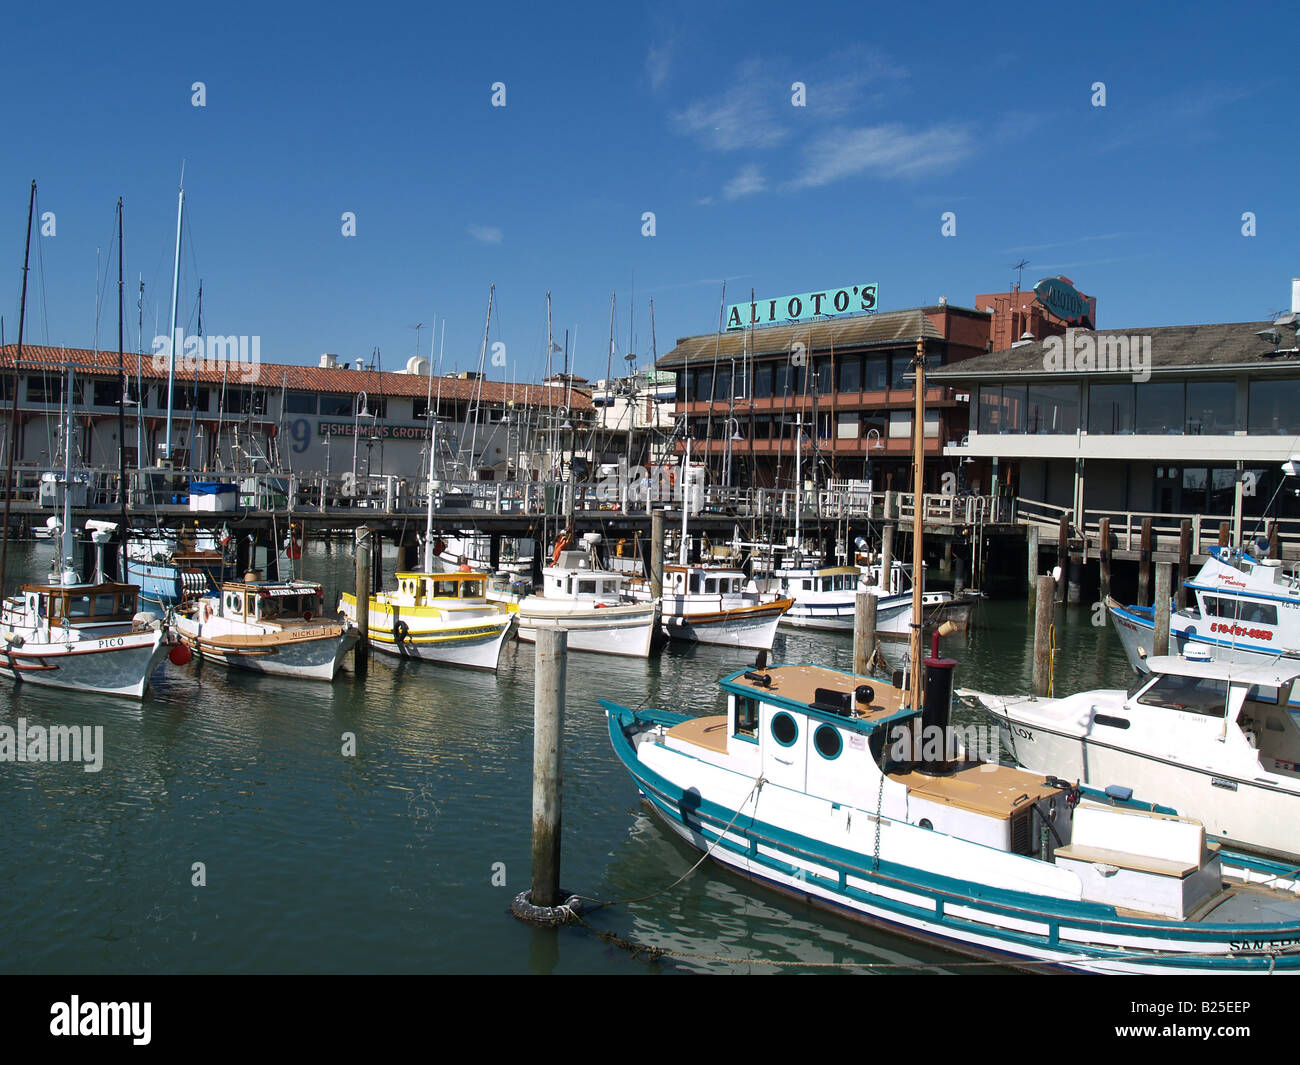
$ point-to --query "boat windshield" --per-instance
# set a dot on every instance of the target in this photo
(1195, 695)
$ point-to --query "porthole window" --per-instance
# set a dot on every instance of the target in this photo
(925, 823)
(827, 741)
(784, 730)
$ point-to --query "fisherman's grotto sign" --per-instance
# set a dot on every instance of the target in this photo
(850, 299)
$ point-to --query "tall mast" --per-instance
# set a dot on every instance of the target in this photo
(798, 476)
(13, 410)
(176, 280)
(918, 465)
(433, 452)
(686, 496)
(121, 403)
(478, 393)
(68, 574)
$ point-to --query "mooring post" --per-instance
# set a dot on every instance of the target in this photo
(1062, 555)
(1044, 612)
(548, 763)
(361, 657)
(1225, 534)
(864, 631)
(886, 558)
(1160, 645)
(1144, 565)
(1184, 561)
(1274, 550)
(654, 566)
(1032, 534)
(1103, 558)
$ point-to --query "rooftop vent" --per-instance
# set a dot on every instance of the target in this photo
(329, 361)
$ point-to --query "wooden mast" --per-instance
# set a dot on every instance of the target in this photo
(918, 469)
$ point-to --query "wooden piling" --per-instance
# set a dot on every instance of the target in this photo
(1225, 534)
(1103, 559)
(654, 565)
(548, 763)
(361, 656)
(864, 631)
(1044, 612)
(1032, 577)
(1062, 555)
(1274, 549)
(1144, 565)
(886, 557)
(1160, 645)
(1184, 561)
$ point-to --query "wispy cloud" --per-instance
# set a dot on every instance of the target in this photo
(659, 65)
(1185, 117)
(749, 181)
(486, 234)
(1064, 243)
(742, 117)
(883, 151)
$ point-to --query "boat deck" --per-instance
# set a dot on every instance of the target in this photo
(992, 790)
(800, 684)
(707, 732)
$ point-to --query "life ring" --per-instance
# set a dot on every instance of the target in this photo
(293, 550)
(560, 545)
(401, 631)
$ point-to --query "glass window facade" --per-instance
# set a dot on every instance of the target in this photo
(1275, 407)
(1111, 408)
(1211, 408)
(1161, 408)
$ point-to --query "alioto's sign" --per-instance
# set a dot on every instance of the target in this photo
(1060, 297)
(851, 299)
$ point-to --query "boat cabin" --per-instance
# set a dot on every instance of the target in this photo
(250, 601)
(422, 589)
(78, 604)
(827, 579)
(573, 578)
(1246, 601)
(1203, 701)
(694, 580)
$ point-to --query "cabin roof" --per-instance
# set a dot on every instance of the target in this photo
(82, 589)
(1272, 675)
(796, 686)
(460, 575)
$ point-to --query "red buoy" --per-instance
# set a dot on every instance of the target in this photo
(179, 655)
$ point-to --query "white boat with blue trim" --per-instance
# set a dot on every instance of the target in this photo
(1247, 609)
(807, 785)
(1214, 740)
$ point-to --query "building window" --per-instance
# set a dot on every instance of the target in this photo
(850, 369)
(300, 403)
(876, 375)
(107, 393)
(1013, 416)
(1161, 408)
(825, 377)
(1111, 409)
(184, 398)
(763, 381)
(1211, 408)
(1275, 407)
(336, 406)
(1053, 409)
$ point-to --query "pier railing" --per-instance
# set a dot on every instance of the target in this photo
(1166, 527)
(166, 492)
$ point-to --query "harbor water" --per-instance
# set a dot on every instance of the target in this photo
(247, 824)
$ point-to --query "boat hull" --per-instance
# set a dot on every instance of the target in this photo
(617, 630)
(752, 627)
(119, 665)
(305, 657)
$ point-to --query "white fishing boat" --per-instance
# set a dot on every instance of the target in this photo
(588, 601)
(854, 797)
(1214, 740)
(713, 605)
(84, 636)
(1246, 609)
(437, 617)
(274, 627)
(825, 597)
(938, 606)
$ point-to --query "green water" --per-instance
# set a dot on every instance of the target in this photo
(385, 861)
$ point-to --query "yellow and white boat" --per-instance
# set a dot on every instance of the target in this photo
(437, 617)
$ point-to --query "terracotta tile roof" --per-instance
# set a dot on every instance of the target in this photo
(305, 378)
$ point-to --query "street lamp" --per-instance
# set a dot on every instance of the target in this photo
(732, 428)
(359, 411)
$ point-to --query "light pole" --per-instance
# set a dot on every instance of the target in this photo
(733, 435)
(359, 411)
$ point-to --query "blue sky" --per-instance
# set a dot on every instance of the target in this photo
(614, 110)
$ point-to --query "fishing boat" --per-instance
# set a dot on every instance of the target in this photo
(938, 606)
(170, 567)
(437, 617)
(1214, 740)
(810, 784)
(588, 601)
(1246, 610)
(825, 597)
(266, 626)
(713, 605)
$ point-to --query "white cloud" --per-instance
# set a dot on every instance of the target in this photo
(741, 117)
(884, 151)
(658, 65)
(486, 234)
(749, 181)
